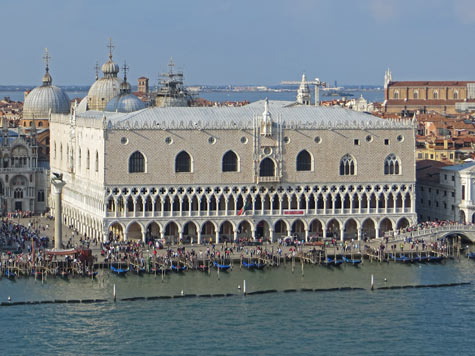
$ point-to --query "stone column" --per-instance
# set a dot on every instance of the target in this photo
(58, 185)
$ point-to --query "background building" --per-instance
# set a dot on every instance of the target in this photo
(447, 97)
(446, 192)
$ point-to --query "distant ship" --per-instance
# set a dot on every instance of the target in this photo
(335, 93)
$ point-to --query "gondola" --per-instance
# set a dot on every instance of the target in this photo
(119, 271)
(333, 262)
(260, 265)
(420, 259)
(436, 258)
(138, 270)
(248, 265)
(10, 274)
(401, 258)
(178, 268)
(351, 260)
(221, 267)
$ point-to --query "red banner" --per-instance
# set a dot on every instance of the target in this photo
(294, 212)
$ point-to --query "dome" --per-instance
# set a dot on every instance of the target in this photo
(41, 100)
(110, 68)
(125, 87)
(101, 92)
(125, 103)
(82, 107)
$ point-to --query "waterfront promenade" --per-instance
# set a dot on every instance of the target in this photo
(153, 257)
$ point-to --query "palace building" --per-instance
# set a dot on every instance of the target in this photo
(264, 170)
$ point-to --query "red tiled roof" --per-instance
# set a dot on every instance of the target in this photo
(431, 83)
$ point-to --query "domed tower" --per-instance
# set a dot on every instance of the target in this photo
(43, 100)
(125, 101)
(105, 88)
(303, 94)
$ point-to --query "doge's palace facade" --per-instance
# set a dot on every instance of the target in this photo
(265, 170)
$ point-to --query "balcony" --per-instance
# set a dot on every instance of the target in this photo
(271, 179)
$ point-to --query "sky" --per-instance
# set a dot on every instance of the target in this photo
(238, 42)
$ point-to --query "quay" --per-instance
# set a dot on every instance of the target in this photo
(85, 257)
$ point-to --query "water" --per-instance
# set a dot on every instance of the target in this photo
(370, 95)
(415, 321)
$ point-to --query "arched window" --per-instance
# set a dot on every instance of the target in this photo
(61, 151)
(392, 165)
(79, 159)
(54, 151)
(304, 161)
(136, 163)
(347, 166)
(436, 94)
(230, 162)
(96, 165)
(456, 94)
(416, 94)
(88, 160)
(18, 193)
(396, 94)
(183, 162)
(267, 168)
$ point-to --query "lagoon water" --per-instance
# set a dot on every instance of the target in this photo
(421, 321)
(220, 96)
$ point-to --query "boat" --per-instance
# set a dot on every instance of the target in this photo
(333, 262)
(221, 266)
(351, 260)
(138, 270)
(178, 268)
(248, 265)
(401, 258)
(64, 274)
(260, 265)
(10, 274)
(471, 255)
(119, 271)
(436, 258)
(420, 259)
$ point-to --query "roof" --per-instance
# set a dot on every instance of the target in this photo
(460, 167)
(431, 83)
(428, 170)
(303, 116)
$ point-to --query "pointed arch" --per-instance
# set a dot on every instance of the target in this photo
(183, 162)
(347, 165)
(392, 165)
(230, 162)
(304, 161)
(136, 162)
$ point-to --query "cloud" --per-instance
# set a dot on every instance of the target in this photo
(464, 10)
